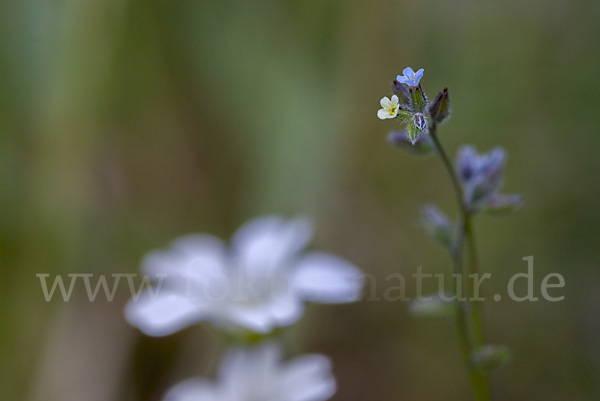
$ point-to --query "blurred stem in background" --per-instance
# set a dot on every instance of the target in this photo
(468, 313)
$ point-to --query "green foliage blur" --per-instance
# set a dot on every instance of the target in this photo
(127, 123)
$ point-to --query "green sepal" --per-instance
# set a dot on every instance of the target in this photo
(440, 108)
(418, 98)
(413, 133)
(404, 116)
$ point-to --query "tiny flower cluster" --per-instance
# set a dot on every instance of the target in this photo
(410, 106)
(257, 284)
(477, 179)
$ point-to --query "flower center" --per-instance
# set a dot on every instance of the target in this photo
(254, 289)
(393, 110)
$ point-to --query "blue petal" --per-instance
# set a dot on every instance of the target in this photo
(419, 75)
(403, 80)
(499, 202)
(466, 163)
(495, 159)
(409, 73)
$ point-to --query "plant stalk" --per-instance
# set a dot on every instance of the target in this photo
(468, 313)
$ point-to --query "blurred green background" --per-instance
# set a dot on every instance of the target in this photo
(127, 123)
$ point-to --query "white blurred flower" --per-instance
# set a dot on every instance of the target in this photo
(258, 374)
(389, 108)
(259, 283)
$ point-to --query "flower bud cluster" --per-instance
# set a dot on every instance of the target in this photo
(410, 106)
(477, 179)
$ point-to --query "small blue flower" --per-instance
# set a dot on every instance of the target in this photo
(482, 176)
(410, 77)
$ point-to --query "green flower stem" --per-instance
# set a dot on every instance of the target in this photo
(468, 314)
(463, 335)
(476, 318)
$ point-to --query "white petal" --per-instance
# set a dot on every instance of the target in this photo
(233, 374)
(232, 367)
(257, 319)
(286, 309)
(282, 308)
(264, 361)
(308, 378)
(321, 277)
(192, 390)
(385, 102)
(192, 255)
(269, 243)
(163, 313)
(250, 373)
(395, 100)
(383, 114)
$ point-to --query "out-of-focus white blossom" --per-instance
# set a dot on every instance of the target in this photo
(259, 374)
(260, 282)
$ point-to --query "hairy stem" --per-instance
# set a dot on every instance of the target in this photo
(468, 314)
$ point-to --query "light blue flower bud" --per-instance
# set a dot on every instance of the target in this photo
(420, 122)
(466, 163)
(437, 225)
(490, 176)
(403, 94)
(440, 108)
(481, 177)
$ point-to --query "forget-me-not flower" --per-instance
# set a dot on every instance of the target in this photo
(260, 282)
(482, 176)
(389, 107)
(410, 77)
(259, 374)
